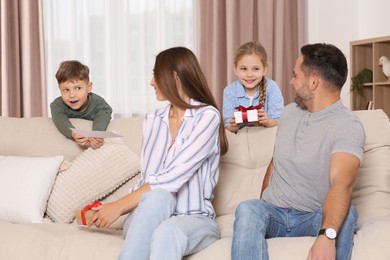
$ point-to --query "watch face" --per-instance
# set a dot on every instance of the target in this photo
(331, 233)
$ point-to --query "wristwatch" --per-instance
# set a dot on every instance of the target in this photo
(328, 232)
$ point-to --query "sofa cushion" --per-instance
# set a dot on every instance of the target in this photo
(376, 126)
(43, 138)
(92, 175)
(243, 167)
(25, 186)
(371, 194)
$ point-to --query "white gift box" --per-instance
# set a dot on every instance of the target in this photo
(246, 117)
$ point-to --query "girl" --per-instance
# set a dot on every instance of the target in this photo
(252, 88)
(171, 211)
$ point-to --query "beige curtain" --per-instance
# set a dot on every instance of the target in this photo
(22, 82)
(224, 25)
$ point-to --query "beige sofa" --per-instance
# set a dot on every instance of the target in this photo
(241, 173)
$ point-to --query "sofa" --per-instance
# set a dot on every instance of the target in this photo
(241, 173)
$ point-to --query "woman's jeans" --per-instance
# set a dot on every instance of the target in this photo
(152, 232)
(257, 220)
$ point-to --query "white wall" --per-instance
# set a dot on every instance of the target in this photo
(339, 22)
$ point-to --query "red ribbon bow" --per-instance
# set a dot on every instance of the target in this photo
(88, 207)
(244, 109)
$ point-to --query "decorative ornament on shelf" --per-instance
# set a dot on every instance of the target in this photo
(385, 63)
(364, 76)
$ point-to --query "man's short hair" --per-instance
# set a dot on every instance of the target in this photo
(326, 60)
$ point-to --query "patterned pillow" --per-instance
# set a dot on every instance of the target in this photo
(92, 175)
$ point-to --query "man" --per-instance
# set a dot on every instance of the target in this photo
(308, 185)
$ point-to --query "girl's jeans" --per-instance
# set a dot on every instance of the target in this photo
(257, 220)
(152, 232)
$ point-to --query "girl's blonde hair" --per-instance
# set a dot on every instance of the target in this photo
(256, 48)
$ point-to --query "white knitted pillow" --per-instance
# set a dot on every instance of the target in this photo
(93, 175)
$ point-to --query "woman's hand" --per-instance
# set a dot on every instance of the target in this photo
(105, 215)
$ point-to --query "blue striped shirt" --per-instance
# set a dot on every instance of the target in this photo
(189, 169)
(234, 95)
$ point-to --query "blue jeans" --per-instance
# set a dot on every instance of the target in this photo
(152, 232)
(257, 220)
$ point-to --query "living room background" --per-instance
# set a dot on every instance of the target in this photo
(221, 26)
(23, 86)
(118, 41)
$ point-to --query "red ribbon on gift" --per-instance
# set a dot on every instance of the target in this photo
(244, 110)
(88, 207)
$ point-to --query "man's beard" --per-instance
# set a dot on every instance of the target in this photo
(300, 102)
(302, 96)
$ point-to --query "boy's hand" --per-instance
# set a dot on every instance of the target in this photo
(95, 142)
(82, 141)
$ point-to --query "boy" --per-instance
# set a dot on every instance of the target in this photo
(77, 101)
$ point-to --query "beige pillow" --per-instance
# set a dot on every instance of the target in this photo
(92, 175)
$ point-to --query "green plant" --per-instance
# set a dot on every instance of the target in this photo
(364, 76)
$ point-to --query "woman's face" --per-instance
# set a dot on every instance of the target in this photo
(159, 95)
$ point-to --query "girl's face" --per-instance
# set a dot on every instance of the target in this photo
(250, 71)
(159, 95)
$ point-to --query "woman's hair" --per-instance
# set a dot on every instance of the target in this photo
(256, 48)
(184, 62)
(72, 70)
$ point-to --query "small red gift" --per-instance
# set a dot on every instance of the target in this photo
(246, 115)
(83, 216)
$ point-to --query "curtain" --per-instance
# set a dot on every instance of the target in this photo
(118, 40)
(22, 82)
(224, 25)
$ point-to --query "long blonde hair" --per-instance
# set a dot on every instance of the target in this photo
(254, 47)
(184, 62)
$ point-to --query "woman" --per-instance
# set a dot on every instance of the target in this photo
(172, 215)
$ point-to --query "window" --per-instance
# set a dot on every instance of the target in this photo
(118, 40)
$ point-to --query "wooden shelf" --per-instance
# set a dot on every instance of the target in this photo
(366, 54)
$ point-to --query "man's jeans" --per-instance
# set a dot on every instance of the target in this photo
(257, 220)
(151, 232)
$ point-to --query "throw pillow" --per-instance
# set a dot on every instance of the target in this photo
(91, 176)
(25, 187)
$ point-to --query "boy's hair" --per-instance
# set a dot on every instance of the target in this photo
(254, 47)
(71, 70)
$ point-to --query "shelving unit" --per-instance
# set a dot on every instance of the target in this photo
(366, 54)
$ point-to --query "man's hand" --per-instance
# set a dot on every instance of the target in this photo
(323, 249)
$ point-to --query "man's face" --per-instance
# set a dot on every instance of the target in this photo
(300, 83)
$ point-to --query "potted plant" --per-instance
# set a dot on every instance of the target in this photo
(364, 76)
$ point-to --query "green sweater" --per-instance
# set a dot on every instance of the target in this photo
(97, 110)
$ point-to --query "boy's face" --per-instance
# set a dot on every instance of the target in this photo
(75, 93)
